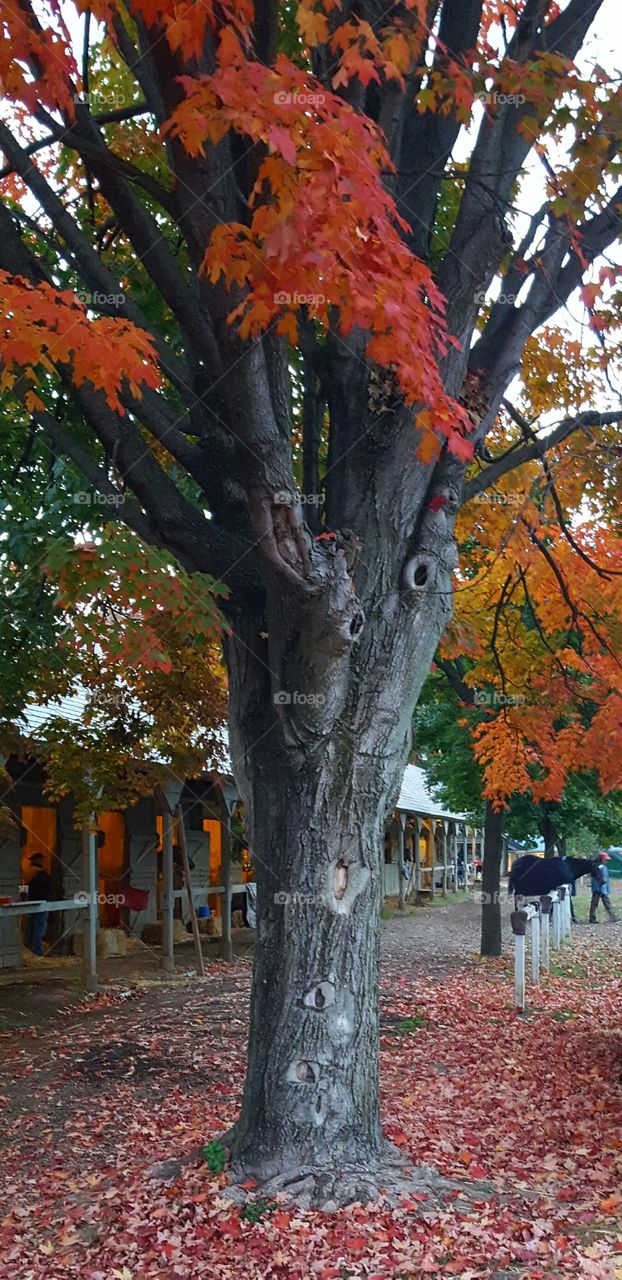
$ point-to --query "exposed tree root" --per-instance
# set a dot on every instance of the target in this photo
(330, 1189)
(388, 1180)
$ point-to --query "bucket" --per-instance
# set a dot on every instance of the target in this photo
(127, 896)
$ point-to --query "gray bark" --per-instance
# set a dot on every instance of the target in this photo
(318, 779)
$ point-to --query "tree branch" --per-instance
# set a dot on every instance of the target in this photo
(52, 139)
(97, 277)
(498, 352)
(523, 453)
(428, 140)
(477, 244)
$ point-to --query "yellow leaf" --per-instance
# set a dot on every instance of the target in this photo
(313, 26)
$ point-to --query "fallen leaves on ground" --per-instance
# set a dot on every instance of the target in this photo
(528, 1107)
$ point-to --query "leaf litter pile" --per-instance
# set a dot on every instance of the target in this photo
(528, 1108)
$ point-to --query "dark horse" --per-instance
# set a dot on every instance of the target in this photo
(532, 876)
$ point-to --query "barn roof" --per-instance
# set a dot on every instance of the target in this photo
(416, 798)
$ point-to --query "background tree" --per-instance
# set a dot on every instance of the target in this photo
(322, 266)
(582, 820)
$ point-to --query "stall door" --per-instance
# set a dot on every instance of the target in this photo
(111, 867)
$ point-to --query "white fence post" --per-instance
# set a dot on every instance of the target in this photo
(535, 947)
(520, 920)
(567, 911)
(557, 923)
(545, 931)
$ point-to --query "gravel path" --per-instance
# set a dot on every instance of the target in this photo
(427, 941)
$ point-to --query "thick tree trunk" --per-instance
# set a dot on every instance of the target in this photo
(491, 944)
(311, 1093)
(320, 733)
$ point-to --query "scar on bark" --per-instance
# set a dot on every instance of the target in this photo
(340, 881)
(300, 1072)
(345, 880)
(283, 539)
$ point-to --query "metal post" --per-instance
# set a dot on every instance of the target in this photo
(90, 918)
(168, 901)
(227, 942)
(445, 862)
(535, 947)
(401, 860)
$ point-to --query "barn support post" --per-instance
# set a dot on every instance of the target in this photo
(402, 860)
(417, 854)
(168, 796)
(432, 831)
(90, 918)
(179, 813)
(226, 941)
(454, 856)
(168, 901)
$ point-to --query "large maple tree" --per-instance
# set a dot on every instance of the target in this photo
(246, 275)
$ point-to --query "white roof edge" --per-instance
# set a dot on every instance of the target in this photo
(415, 797)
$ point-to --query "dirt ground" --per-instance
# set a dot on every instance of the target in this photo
(96, 1091)
(430, 941)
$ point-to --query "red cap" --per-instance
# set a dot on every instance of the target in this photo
(605, 856)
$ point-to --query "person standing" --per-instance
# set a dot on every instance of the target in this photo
(39, 890)
(601, 889)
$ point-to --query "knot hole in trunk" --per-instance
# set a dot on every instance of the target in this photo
(320, 996)
(417, 573)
